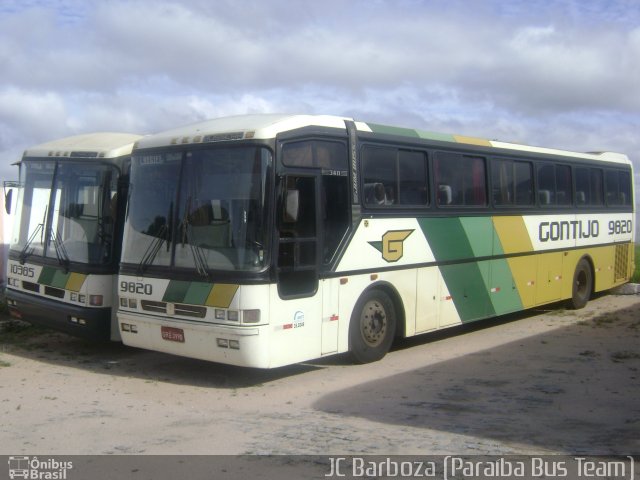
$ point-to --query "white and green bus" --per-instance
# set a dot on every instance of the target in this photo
(67, 235)
(268, 240)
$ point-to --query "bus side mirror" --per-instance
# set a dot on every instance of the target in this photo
(291, 206)
(7, 201)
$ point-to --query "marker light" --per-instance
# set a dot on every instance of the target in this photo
(95, 300)
(251, 316)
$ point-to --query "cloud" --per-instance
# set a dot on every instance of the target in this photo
(552, 72)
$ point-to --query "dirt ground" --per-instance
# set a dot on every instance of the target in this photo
(546, 381)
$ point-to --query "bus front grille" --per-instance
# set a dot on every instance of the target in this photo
(156, 307)
(32, 287)
(180, 309)
(54, 292)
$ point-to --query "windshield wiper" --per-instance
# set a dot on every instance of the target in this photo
(197, 252)
(61, 251)
(199, 259)
(152, 250)
(39, 229)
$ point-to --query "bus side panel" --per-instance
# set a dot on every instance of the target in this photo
(523, 270)
(295, 328)
(549, 277)
(428, 299)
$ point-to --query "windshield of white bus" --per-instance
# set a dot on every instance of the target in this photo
(202, 210)
(66, 211)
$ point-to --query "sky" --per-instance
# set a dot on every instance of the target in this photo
(562, 74)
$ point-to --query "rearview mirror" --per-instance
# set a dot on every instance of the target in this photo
(8, 197)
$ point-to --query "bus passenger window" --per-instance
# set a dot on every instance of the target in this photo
(394, 177)
(461, 179)
(512, 183)
(380, 176)
(618, 188)
(588, 186)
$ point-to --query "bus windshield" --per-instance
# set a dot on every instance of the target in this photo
(201, 210)
(66, 211)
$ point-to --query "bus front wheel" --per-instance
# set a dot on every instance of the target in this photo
(582, 285)
(372, 327)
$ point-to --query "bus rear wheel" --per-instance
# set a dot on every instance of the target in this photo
(372, 327)
(582, 285)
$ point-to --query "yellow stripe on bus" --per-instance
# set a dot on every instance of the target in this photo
(513, 234)
(472, 140)
(221, 295)
(75, 282)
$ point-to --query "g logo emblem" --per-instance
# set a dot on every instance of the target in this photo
(392, 244)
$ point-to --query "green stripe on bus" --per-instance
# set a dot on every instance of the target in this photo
(59, 279)
(479, 232)
(410, 132)
(197, 293)
(385, 129)
(467, 287)
(504, 293)
(442, 137)
(447, 238)
(478, 289)
(46, 275)
(176, 291)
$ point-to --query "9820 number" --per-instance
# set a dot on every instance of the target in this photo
(136, 287)
(617, 227)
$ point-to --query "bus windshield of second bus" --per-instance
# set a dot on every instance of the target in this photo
(67, 235)
(199, 210)
(67, 212)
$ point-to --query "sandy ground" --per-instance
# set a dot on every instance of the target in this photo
(552, 381)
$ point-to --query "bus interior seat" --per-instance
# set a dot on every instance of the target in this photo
(209, 230)
(545, 197)
(82, 225)
(581, 198)
(445, 194)
(561, 197)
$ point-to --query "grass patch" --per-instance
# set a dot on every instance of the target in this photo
(625, 355)
(17, 332)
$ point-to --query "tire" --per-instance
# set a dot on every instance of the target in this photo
(582, 285)
(372, 327)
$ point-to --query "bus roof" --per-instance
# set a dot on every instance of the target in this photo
(266, 126)
(89, 145)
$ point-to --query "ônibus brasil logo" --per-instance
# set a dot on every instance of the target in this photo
(33, 468)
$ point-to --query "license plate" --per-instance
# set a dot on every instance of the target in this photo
(172, 334)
